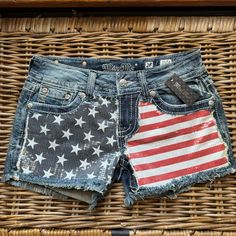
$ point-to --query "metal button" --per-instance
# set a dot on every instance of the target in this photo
(56, 61)
(67, 96)
(152, 93)
(211, 103)
(29, 105)
(84, 63)
(44, 90)
(122, 82)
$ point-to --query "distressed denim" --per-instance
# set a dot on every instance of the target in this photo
(82, 124)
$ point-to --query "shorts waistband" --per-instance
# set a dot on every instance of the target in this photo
(111, 76)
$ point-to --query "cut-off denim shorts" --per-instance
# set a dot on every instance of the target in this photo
(82, 124)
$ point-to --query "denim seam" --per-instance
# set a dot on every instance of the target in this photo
(226, 151)
(223, 132)
(178, 112)
(126, 130)
(68, 106)
(193, 51)
(166, 104)
(22, 132)
(135, 115)
(157, 86)
(135, 120)
(25, 134)
(185, 55)
(44, 81)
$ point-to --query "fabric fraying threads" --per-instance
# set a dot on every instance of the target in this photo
(172, 190)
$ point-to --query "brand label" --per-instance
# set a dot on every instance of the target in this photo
(148, 64)
(122, 67)
(182, 90)
(165, 61)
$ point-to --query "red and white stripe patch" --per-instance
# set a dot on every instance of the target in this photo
(167, 147)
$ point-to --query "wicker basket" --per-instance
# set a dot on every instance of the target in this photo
(208, 209)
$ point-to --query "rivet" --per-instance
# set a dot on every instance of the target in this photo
(84, 63)
(211, 103)
(122, 82)
(67, 96)
(56, 61)
(29, 105)
(44, 90)
(82, 94)
(152, 93)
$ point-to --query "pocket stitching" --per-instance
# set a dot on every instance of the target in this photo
(166, 108)
(69, 107)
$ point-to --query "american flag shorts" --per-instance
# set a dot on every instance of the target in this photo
(155, 123)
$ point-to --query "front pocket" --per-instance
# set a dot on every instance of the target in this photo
(167, 101)
(167, 147)
(78, 144)
(72, 106)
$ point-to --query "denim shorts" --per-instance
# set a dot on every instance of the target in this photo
(82, 124)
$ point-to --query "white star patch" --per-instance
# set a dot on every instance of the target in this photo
(102, 126)
(92, 111)
(69, 175)
(84, 164)
(58, 119)
(36, 115)
(53, 144)
(44, 129)
(79, 122)
(91, 176)
(88, 136)
(40, 158)
(105, 102)
(111, 140)
(61, 159)
(66, 134)
(31, 143)
(26, 170)
(97, 151)
(47, 173)
(113, 115)
(75, 149)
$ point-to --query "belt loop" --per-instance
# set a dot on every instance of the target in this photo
(143, 83)
(91, 83)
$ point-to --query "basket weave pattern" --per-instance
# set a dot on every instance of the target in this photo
(210, 206)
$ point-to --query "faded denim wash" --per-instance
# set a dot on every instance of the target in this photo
(82, 124)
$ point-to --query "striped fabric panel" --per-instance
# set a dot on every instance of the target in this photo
(167, 147)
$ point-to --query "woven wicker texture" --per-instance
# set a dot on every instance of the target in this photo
(206, 207)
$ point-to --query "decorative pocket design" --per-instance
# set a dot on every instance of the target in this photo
(167, 147)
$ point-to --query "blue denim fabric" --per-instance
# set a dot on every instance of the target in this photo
(76, 118)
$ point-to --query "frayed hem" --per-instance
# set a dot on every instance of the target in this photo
(176, 187)
(79, 184)
(39, 189)
(93, 204)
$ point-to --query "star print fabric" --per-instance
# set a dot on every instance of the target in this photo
(73, 147)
